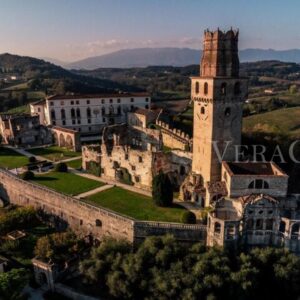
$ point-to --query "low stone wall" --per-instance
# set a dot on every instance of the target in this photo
(183, 232)
(85, 218)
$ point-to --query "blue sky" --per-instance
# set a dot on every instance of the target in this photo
(75, 29)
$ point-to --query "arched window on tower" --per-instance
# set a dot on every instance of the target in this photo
(197, 88)
(223, 88)
(202, 110)
(205, 88)
(237, 88)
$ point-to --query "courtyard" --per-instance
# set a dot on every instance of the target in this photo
(11, 159)
(54, 153)
(67, 183)
(135, 205)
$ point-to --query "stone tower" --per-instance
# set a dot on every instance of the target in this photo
(218, 95)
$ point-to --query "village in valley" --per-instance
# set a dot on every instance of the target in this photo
(120, 184)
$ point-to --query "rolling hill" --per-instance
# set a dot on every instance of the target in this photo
(34, 78)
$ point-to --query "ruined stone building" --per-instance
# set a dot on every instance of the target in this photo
(23, 130)
(134, 154)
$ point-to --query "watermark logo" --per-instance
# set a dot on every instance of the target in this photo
(258, 152)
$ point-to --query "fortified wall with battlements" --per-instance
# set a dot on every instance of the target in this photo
(174, 138)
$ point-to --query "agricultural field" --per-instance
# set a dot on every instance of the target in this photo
(284, 121)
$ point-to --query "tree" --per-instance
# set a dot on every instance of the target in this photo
(27, 175)
(32, 159)
(162, 268)
(188, 217)
(12, 283)
(61, 167)
(19, 218)
(162, 190)
(57, 246)
(293, 89)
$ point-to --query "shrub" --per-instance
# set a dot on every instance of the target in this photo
(20, 218)
(32, 159)
(61, 167)
(162, 190)
(28, 175)
(10, 246)
(188, 217)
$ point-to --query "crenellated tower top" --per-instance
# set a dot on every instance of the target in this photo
(220, 54)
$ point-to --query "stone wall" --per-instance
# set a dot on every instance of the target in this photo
(87, 219)
(174, 138)
(183, 232)
(80, 216)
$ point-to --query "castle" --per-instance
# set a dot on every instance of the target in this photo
(248, 200)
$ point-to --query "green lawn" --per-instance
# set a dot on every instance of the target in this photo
(55, 153)
(11, 159)
(284, 121)
(67, 183)
(135, 205)
(75, 164)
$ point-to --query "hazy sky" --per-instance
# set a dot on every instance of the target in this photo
(75, 29)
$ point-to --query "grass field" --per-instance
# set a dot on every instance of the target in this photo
(67, 183)
(19, 109)
(11, 159)
(54, 153)
(136, 205)
(282, 121)
(75, 164)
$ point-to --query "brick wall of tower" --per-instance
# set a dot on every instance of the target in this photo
(218, 95)
(220, 54)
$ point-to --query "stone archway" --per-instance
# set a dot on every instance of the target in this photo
(69, 142)
(62, 141)
(55, 138)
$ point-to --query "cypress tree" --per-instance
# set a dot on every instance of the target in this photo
(162, 190)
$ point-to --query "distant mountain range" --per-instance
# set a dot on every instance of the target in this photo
(143, 57)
